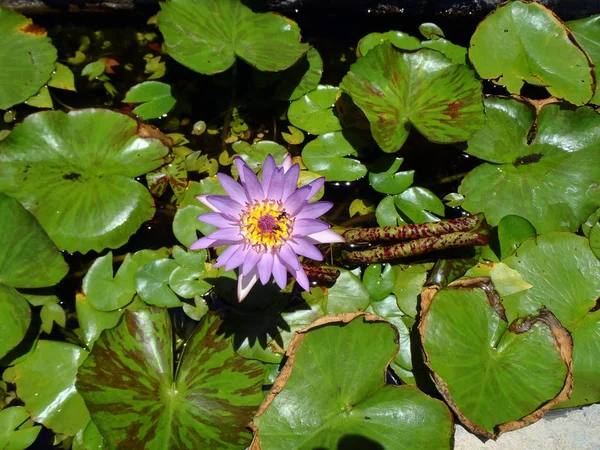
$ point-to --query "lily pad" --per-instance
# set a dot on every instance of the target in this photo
(27, 58)
(302, 77)
(512, 46)
(511, 374)
(137, 399)
(156, 99)
(384, 178)
(423, 89)
(399, 39)
(15, 316)
(28, 258)
(314, 112)
(356, 409)
(564, 274)
(328, 156)
(587, 34)
(74, 173)
(46, 383)
(16, 430)
(549, 177)
(512, 231)
(207, 36)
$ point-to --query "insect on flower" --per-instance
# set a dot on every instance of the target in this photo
(267, 224)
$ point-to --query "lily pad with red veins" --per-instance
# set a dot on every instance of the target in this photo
(74, 173)
(423, 89)
(544, 169)
(138, 400)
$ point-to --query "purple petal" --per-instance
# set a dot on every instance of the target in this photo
(224, 204)
(302, 279)
(204, 200)
(304, 227)
(227, 254)
(287, 163)
(305, 248)
(288, 257)
(237, 258)
(314, 210)
(268, 168)
(265, 267)
(233, 189)
(294, 203)
(275, 187)
(240, 164)
(291, 181)
(231, 234)
(279, 272)
(245, 283)
(216, 219)
(315, 186)
(252, 257)
(254, 190)
(324, 237)
(204, 242)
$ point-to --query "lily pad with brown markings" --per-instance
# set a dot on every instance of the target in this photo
(138, 401)
(423, 89)
(496, 376)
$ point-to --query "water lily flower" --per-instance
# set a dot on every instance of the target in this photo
(267, 224)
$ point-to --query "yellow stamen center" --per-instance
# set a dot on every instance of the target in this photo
(266, 224)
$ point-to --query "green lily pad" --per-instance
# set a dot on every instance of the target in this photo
(93, 321)
(510, 374)
(314, 112)
(409, 283)
(512, 46)
(16, 430)
(255, 154)
(384, 178)
(152, 283)
(348, 294)
(156, 99)
(564, 274)
(379, 280)
(327, 156)
(424, 89)
(46, 383)
(356, 409)
(595, 239)
(27, 58)
(512, 231)
(173, 173)
(207, 36)
(551, 181)
(587, 34)
(28, 258)
(89, 439)
(62, 78)
(431, 31)
(15, 316)
(137, 399)
(398, 39)
(73, 173)
(187, 280)
(302, 77)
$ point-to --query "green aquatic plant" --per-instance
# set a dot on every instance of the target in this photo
(304, 162)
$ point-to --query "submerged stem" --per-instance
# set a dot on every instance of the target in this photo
(417, 247)
(415, 231)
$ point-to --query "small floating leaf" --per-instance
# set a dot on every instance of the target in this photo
(155, 97)
(327, 156)
(16, 432)
(302, 77)
(207, 35)
(518, 42)
(27, 58)
(423, 89)
(73, 173)
(15, 316)
(315, 112)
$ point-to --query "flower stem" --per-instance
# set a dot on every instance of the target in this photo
(415, 231)
(418, 247)
(321, 273)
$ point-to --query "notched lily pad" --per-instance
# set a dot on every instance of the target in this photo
(27, 58)
(511, 374)
(355, 408)
(549, 177)
(74, 173)
(330, 155)
(137, 400)
(519, 42)
(424, 89)
(15, 316)
(207, 35)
